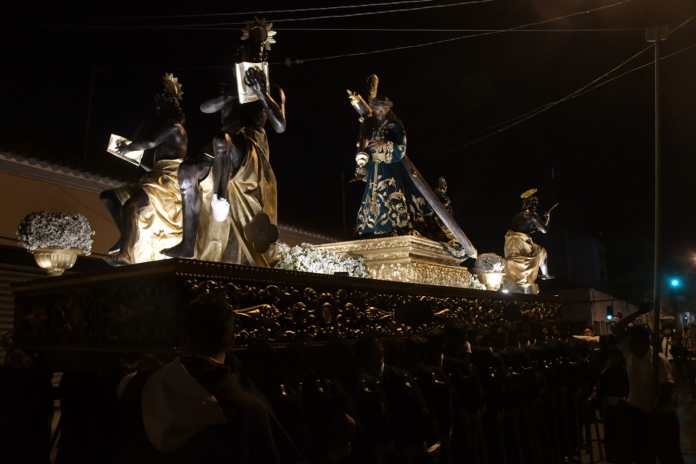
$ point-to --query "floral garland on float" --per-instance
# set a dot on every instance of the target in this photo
(306, 258)
(56, 239)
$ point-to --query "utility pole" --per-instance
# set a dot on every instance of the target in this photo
(656, 35)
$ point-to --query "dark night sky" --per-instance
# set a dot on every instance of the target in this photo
(593, 154)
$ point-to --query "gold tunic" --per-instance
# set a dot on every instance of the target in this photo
(523, 258)
(160, 222)
(252, 190)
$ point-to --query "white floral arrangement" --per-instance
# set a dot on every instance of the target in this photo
(490, 263)
(306, 258)
(56, 230)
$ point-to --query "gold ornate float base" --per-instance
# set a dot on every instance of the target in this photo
(406, 259)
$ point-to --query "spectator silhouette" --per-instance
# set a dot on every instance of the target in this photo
(650, 427)
(194, 409)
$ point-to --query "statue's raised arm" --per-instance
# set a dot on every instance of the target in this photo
(276, 111)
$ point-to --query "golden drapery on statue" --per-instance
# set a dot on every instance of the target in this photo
(251, 191)
(160, 222)
(523, 258)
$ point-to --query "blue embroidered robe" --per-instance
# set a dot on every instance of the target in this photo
(391, 204)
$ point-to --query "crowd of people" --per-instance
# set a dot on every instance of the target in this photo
(460, 396)
(454, 397)
(479, 396)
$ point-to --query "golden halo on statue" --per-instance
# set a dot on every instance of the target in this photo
(529, 193)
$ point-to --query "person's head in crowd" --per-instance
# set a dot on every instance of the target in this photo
(639, 340)
(456, 342)
(209, 327)
(499, 338)
(667, 332)
(588, 332)
(370, 354)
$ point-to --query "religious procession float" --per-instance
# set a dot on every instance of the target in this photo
(202, 223)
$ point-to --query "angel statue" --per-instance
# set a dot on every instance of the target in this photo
(148, 213)
(230, 195)
(526, 260)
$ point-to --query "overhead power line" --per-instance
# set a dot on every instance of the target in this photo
(682, 24)
(442, 29)
(281, 11)
(215, 26)
(510, 123)
(376, 12)
(638, 68)
(457, 38)
(595, 84)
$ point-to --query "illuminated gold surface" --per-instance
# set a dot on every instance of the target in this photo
(523, 258)
(252, 190)
(492, 280)
(406, 259)
(159, 223)
(55, 261)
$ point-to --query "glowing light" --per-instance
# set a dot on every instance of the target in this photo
(675, 282)
(505, 290)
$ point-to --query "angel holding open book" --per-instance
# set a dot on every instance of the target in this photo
(148, 213)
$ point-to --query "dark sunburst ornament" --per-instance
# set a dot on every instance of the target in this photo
(259, 31)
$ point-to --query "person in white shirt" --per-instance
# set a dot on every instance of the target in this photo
(644, 393)
(650, 426)
(666, 344)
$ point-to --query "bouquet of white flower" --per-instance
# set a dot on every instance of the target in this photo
(490, 262)
(45, 229)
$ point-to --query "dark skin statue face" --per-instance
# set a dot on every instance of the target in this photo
(380, 112)
(254, 114)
